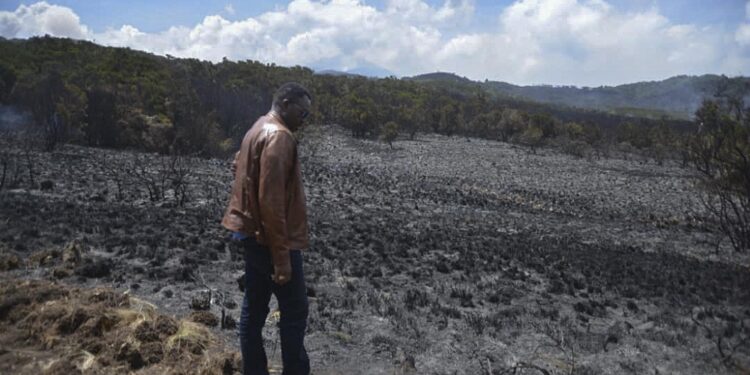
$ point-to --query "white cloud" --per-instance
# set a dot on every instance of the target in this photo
(742, 36)
(569, 41)
(583, 42)
(40, 19)
(229, 9)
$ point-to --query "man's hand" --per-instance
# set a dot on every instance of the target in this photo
(282, 266)
(282, 274)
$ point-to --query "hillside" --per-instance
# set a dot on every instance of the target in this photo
(676, 97)
(80, 92)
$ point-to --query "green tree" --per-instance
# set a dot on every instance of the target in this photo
(55, 107)
(546, 124)
(574, 130)
(449, 121)
(633, 134)
(511, 123)
(7, 82)
(532, 137)
(358, 114)
(101, 118)
(389, 132)
(592, 134)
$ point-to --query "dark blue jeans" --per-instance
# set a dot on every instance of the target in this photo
(293, 306)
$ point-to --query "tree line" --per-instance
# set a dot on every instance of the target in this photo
(77, 91)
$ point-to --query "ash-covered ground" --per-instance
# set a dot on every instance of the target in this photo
(441, 256)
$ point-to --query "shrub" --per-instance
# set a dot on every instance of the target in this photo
(720, 153)
(389, 132)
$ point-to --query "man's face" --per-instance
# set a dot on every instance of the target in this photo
(296, 112)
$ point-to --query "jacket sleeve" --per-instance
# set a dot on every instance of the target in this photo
(234, 163)
(276, 162)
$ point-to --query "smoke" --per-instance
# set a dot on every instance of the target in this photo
(12, 119)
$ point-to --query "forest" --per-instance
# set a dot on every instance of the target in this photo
(79, 92)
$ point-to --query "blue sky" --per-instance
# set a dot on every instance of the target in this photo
(579, 42)
(153, 16)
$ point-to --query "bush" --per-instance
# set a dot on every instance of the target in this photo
(389, 132)
(532, 137)
(576, 148)
(720, 152)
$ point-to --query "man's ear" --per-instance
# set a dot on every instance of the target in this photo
(285, 104)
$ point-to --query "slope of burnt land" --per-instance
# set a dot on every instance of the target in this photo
(444, 255)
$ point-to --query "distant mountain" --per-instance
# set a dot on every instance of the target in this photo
(440, 77)
(370, 70)
(676, 97)
(335, 73)
(365, 70)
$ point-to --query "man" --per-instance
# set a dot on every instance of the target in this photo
(267, 214)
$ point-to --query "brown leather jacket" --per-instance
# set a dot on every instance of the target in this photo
(268, 199)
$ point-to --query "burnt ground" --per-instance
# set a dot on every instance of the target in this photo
(442, 256)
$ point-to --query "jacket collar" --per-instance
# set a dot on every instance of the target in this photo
(276, 119)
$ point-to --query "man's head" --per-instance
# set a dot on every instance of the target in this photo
(292, 102)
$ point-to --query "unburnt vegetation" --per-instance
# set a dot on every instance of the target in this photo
(440, 255)
(77, 91)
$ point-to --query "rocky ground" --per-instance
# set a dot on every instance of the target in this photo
(441, 256)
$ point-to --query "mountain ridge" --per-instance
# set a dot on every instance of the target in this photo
(678, 96)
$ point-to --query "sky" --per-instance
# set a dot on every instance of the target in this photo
(558, 42)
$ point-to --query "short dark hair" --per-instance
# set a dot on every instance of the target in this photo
(292, 91)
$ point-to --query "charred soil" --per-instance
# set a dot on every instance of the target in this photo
(443, 255)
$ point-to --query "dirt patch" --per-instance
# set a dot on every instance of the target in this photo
(50, 328)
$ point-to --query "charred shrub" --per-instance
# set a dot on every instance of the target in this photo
(464, 295)
(415, 298)
(720, 152)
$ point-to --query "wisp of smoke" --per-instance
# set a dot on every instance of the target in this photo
(12, 119)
